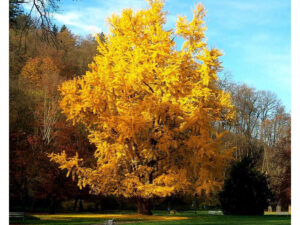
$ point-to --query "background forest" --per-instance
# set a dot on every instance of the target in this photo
(42, 56)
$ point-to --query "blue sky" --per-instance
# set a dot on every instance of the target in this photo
(254, 35)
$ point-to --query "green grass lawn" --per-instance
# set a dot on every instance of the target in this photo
(159, 218)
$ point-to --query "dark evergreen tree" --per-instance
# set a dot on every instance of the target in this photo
(15, 9)
(63, 28)
(246, 190)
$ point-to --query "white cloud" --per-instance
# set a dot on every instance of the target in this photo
(68, 18)
(75, 19)
(93, 19)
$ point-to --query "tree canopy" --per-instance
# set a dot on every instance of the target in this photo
(150, 109)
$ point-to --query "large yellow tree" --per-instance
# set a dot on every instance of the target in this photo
(150, 110)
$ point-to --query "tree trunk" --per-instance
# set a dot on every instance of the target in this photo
(53, 205)
(75, 204)
(143, 206)
(80, 205)
(195, 204)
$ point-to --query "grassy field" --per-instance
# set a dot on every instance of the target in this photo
(159, 218)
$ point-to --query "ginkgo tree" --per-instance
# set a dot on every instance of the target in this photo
(150, 110)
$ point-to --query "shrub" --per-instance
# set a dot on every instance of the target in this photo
(245, 191)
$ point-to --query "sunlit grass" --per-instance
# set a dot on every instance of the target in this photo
(159, 218)
(277, 213)
(110, 216)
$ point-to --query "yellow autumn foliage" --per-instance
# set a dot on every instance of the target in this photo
(40, 72)
(109, 216)
(150, 109)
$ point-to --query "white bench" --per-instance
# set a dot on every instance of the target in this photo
(215, 213)
(110, 222)
(16, 215)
